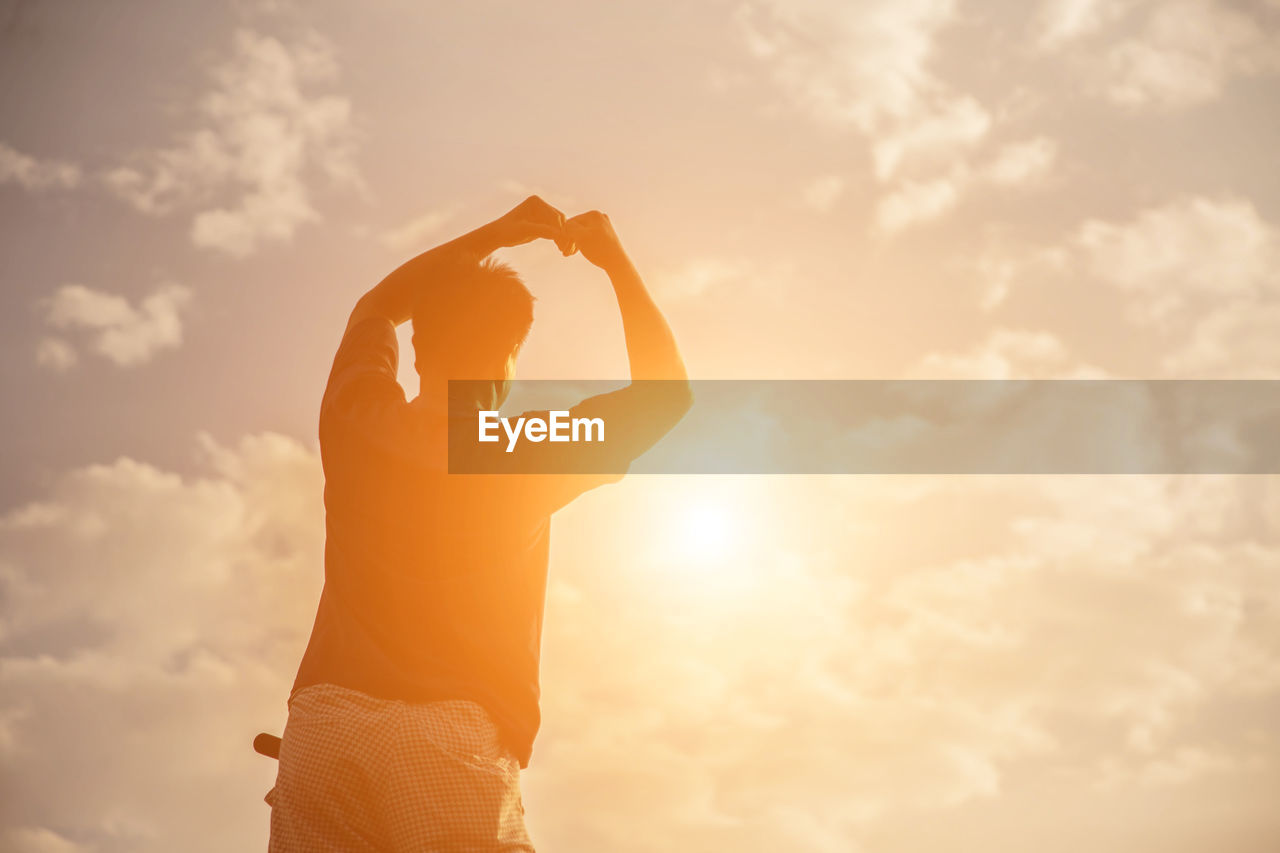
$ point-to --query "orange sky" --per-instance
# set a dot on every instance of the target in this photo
(192, 199)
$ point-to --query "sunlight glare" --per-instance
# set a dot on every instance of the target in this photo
(705, 531)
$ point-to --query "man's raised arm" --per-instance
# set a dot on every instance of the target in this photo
(646, 409)
(393, 297)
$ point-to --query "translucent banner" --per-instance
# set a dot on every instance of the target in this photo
(875, 427)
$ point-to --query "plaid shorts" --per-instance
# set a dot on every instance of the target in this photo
(359, 773)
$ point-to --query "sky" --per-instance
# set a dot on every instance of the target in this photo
(193, 195)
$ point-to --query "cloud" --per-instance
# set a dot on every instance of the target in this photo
(1022, 164)
(699, 276)
(56, 354)
(1168, 55)
(861, 65)
(808, 698)
(1198, 277)
(125, 334)
(868, 67)
(410, 235)
(1063, 21)
(1235, 340)
(822, 193)
(1205, 271)
(245, 173)
(1009, 354)
(40, 840)
(919, 201)
(151, 625)
(1078, 632)
(1188, 51)
(934, 140)
(36, 175)
(1216, 246)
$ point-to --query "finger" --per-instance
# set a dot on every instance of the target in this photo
(544, 229)
(555, 233)
(566, 244)
(544, 212)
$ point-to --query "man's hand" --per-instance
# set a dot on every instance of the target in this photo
(529, 220)
(593, 234)
(393, 297)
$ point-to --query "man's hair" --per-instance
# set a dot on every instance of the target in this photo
(466, 326)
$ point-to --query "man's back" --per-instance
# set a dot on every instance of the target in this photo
(416, 703)
(434, 583)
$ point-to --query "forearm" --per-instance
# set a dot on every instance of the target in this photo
(651, 346)
(393, 297)
(659, 394)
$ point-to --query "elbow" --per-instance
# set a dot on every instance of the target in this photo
(678, 400)
(366, 307)
(660, 403)
(685, 396)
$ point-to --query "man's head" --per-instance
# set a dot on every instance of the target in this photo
(471, 325)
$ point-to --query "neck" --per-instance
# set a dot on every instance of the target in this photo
(459, 398)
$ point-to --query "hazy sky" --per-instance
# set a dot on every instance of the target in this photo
(192, 195)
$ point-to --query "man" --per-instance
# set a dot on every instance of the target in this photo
(416, 703)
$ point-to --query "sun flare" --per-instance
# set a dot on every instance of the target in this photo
(704, 531)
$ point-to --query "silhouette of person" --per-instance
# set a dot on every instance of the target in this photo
(415, 706)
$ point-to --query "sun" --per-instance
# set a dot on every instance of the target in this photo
(710, 547)
(701, 530)
(705, 530)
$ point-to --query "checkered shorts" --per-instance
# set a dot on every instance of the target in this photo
(359, 773)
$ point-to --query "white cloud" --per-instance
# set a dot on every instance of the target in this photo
(1052, 635)
(32, 174)
(246, 172)
(40, 840)
(56, 354)
(699, 276)
(911, 202)
(410, 235)
(935, 140)
(123, 333)
(1022, 162)
(1237, 339)
(1168, 54)
(153, 623)
(914, 202)
(1198, 276)
(822, 193)
(859, 64)
(868, 67)
(1062, 21)
(1204, 270)
(1188, 51)
(1218, 246)
(1075, 629)
(1008, 354)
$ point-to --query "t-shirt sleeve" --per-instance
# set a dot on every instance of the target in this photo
(603, 465)
(362, 382)
(579, 466)
(628, 422)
